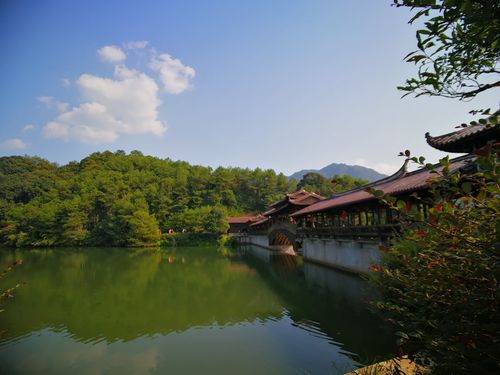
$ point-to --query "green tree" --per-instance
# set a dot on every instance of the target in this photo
(93, 202)
(319, 184)
(142, 229)
(74, 231)
(458, 47)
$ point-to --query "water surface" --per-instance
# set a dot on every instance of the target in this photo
(183, 311)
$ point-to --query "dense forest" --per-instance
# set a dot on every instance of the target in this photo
(125, 200)
(313, 181)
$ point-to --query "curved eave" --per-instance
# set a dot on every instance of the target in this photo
(410, 182)
(465, 140)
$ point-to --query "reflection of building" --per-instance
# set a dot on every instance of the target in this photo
(345, 230)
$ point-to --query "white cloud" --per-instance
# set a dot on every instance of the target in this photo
(138, 44)
(127, 104)
(50, 102)
(384, 168)
(28, 128)
(47, 100)
(66, 82)
(13, 144)
(175, 76)
(111, 54)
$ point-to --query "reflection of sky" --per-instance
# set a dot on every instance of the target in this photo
(269, 347)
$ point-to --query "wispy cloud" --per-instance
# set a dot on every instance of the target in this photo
(111, 54)
(66, 82)
(13, 144)
(28, 128)
(52, 103)
(138, 44)
(47, 100)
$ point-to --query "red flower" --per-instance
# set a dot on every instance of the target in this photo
(420, 233)
(409, 206)
(433, 262)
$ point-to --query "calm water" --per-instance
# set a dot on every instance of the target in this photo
(184, 311)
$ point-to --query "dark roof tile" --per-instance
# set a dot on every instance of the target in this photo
(408, 182)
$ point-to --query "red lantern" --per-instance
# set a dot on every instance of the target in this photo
(343, 215)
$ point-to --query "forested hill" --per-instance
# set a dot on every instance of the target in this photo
(333, 169)
(119, 199)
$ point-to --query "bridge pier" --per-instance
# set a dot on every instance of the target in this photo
(354, 255)
(348, 255)
(262, 240)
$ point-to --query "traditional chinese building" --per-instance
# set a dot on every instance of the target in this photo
(240, 224)
(465, 140)
(274, 228)
(346, 230)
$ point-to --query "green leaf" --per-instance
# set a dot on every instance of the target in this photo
(402, 335)
(401, 205)
(467, 187)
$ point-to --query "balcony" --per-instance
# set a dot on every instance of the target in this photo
(356, 233)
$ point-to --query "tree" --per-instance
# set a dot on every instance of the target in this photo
(93, 202)
(143, 229)
(321, 185)
(439, 280)
(458, 47)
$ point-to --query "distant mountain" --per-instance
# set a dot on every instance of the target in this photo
(335, 168)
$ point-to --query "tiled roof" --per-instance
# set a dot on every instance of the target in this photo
(243, 219)
(268, 212)
(465, 139)
(407, 182)
(261, 221)
(299, 198)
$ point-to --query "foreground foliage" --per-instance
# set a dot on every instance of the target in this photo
(124, 200)
(458, 47)
(440, 279)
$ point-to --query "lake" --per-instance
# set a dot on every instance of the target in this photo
(183, 311)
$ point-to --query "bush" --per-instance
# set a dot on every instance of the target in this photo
(439, 280)
(188, 239)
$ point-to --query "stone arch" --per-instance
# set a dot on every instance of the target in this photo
(282, 237)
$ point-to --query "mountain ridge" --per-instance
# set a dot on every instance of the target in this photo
(333, 169)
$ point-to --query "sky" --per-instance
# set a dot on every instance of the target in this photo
(282, 84)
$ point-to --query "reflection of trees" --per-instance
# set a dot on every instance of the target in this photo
(324, 301)
(119, 294)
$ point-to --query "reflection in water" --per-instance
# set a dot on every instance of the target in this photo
(323, 300)
(182, 311)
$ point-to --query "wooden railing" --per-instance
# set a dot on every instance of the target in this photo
(257, 232)
(372, 232)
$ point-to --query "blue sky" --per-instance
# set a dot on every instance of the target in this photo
(275, 84)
